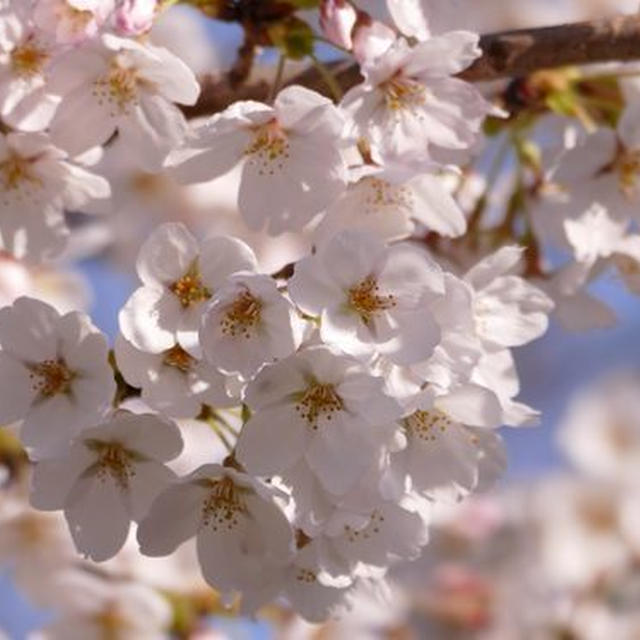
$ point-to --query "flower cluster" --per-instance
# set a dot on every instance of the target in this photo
(554, 558)
(346, 333)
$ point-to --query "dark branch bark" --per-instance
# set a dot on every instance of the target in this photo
(505, 54)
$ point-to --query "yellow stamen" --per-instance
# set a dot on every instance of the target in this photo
(224, 504)
(365, 300)
(190, 289)
(319, 400)
(243, 316)
(51, 377)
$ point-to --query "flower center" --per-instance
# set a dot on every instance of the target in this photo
(403, 93)
(115, 462)
(384, 194)
(76, 19)
(269, 148)
(28, 59)
(119, 86)
(373, 527)
(177, 357)
(598, 514)
(111, 622)
(147, 184)
(243, 316)
(51, 377)
(319, 401)
(365, 300)
(16, 171)
(223, 504)
(426, 424)
(190, 289)
(306, 575)
(628, 165)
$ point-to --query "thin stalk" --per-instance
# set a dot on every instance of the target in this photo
(329, 78)
(277, 81)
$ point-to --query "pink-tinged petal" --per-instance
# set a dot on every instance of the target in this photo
(154, 128)
(492, 458)
(304, 111)
(147, 434)
(34, 111)
(222, 561)
(53, 479)
(584, 162)
(351, 257)
(167, 255)
(136, 366)
(98, 515)
(174, 517)
(201, 166)
(497, 264)
(222, 256)
(436, 208)
(81, 122)
(274, 383)
(409, 273)
(444, 55)
(17, 391)
(174, 80)
(340, 453)
(471, 405)
(150, 319)
(272, 441)
(311, 289)
(418, 334)
(51, 424)
(27, 329)
(151, 479)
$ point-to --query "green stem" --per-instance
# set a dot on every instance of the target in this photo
(223, 438)
(329, 78)
(225, 423)
(277, 81)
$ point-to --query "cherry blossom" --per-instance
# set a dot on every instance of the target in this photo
(291, 157)
(93, 608)
(108, 478)
(249, 323)
(72, 21)
(409, 104)
(319, 405)
(371, 298)
(173, 381)
(449, 440)
(241, 532)
(394, 207)
(179, 277)
(55, 372)
(508, 311)
(597, 238)
(121, 85)
(25, 57)
(38, 181)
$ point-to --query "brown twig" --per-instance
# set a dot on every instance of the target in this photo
(505, 54)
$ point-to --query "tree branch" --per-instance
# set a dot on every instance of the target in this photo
(504, 54)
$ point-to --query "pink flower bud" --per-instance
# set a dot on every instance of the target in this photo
(134, 17)
(337, 19)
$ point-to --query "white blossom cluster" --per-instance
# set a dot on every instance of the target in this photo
(556, 557)
(358, 387)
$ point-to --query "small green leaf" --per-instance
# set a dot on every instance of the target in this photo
(293, 37)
